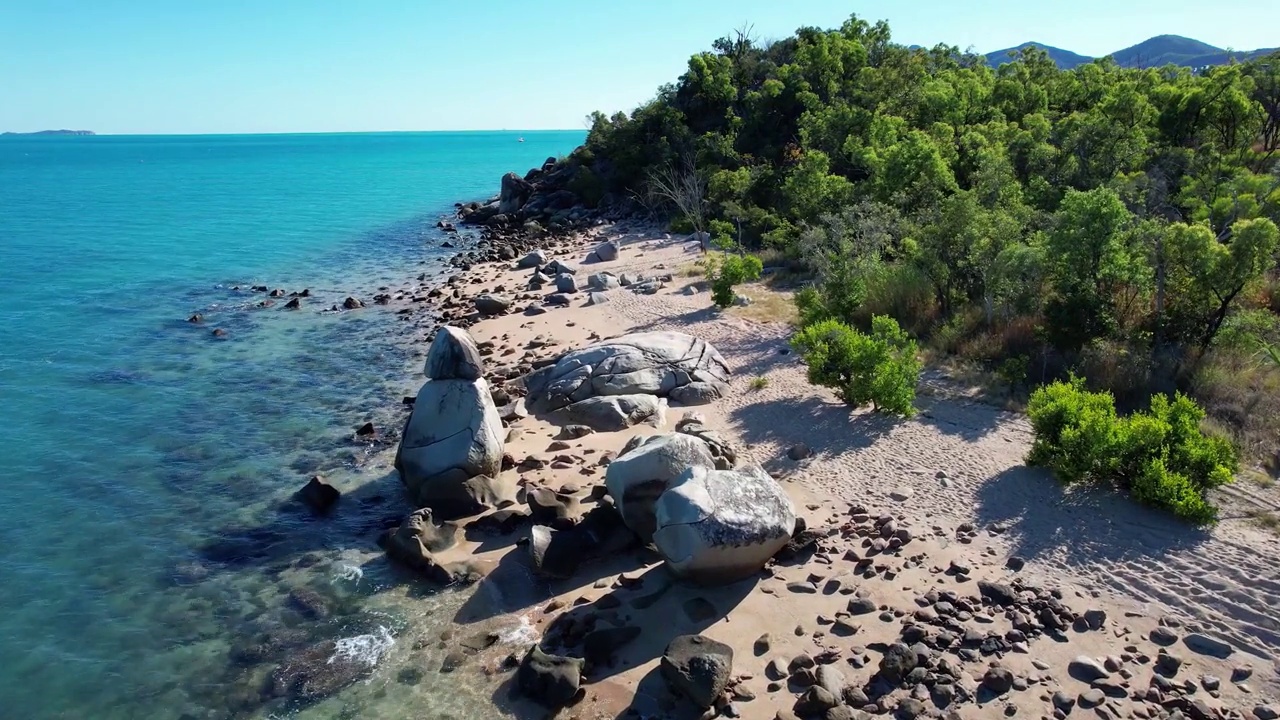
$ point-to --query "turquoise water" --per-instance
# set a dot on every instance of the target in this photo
(146, 465)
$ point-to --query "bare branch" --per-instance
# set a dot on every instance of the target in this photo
(682, 187)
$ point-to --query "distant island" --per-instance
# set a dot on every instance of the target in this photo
(52, 132)
(1155, 52)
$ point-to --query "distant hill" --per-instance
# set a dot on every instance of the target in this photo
(1065, 59)
(53, 132)
(1155, 52)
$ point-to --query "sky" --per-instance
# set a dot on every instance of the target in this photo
(244, 66)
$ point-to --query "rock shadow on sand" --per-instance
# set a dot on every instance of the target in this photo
(628, 627)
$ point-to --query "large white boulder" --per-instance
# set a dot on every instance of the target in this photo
(638, 477)
(651, 363)
(719, 526)
(454, 432)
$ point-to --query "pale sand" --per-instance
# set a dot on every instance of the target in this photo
(1103, 551)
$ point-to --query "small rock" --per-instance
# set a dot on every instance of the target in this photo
(1163, 636)
(1086, 669)
(901, 494)
(998, 679)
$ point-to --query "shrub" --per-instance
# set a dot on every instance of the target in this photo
(880, 369)
(732, 270)
(759, 382)
(1162, 457)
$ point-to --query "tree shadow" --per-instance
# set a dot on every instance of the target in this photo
(968, 420)
(1087, 525)
(828, 426)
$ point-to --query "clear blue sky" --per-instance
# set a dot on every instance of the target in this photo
(195, 66)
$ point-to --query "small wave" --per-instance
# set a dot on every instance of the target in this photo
(523, 633)
(367, 649)
(348, 573)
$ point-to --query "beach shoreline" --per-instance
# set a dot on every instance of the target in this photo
(965, 493)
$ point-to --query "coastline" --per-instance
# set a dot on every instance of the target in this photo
(959, 465)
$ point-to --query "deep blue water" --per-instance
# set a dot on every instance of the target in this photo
(133, 440)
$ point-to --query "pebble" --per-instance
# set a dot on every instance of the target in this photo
(1163, 636)
(901, 494)
(1092, 698)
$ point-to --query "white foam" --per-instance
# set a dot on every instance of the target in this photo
(349, 573)
(367, 649)
(522, 634)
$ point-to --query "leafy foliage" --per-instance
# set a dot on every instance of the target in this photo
(880, 369)
(729, 271)
(1160, 456)
(1047, 213)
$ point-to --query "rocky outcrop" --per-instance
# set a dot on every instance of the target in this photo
(638, 477)
(413, 543)
(718, 526)
(618, 412)
(515, 191)
(652, 363)
(454, 432)
(693, 423)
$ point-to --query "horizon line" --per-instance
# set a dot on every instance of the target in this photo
(52, 131)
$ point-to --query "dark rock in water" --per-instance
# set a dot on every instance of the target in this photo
(551, 680)
(599, 646)
(366, 430)
(309, 603)
(316, 672)
(243, 547)
(352, 304)
(277, 293)
(697, 668)
(318, 495)
(196, 318)
(293, 304)
(219, 332)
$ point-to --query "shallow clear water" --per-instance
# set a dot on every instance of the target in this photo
(146, 465)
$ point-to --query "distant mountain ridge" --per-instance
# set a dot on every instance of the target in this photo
(53, 132)
(1155, 52)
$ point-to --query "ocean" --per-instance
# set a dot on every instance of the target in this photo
(153, 564)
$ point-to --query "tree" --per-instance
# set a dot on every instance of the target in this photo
(1210, 275)
(681, 186)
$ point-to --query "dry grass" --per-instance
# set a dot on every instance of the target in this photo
(1241, 394)
(759, 382)
(767, 305)
(1259, 478)
(692, 269)
(1266, 520)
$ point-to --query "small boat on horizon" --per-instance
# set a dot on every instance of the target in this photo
(520, 140)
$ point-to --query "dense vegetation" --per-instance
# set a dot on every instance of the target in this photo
(1160, 456)
(1116, 223)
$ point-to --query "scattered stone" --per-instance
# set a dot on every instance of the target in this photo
(1087, 669)
(901, 494)
(491, 304)
(1205, 645)
(861, 606)
(1168, 665)
(799, 452)
(599, 646)
(897, 662)
(815, 701)
(697, 668)
(1163, 636)
(1092, 698)
(998, 679)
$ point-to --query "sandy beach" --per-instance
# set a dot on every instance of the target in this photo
(1179, 619)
